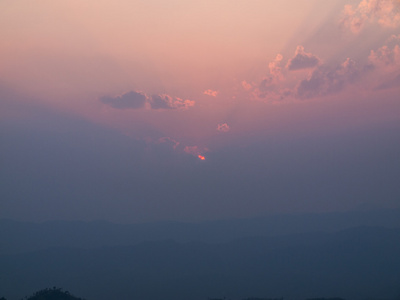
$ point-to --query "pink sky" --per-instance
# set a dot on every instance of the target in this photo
(190, 110)
(218, 62)
(293, 104)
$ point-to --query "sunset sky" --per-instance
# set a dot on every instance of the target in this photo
(152, 110)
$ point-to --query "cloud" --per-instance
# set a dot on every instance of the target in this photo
(136, 100)
(390, 83)
(161, 102)
(381, 72)
(130, 100)
(211, 93)
(385, 56)
(269, 85)
(385, 12)
(328, 80)
(246, 86)
(224, 127)
(168, 141)
(164, 101)
(195, 150)
(386, 63)
(394, 38)
(302, 60)
(275, 69)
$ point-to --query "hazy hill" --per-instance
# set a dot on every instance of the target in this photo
(25, 236)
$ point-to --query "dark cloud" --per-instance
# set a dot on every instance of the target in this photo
(136, 100)
(302, 60)
(328, 80)
(267, 85)
(133, 100)
(161, 102)
(267, 89)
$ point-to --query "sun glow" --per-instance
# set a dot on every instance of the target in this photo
(201, 157)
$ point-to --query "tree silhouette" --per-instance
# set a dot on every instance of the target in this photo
(257, 298)
(335, 298)
(52, 294)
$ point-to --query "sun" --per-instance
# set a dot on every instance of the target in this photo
(201, 157)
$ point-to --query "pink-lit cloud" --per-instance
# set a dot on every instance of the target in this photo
(211, 93)
(386, 63)
(270, 85)
(224, 127)
(164, 101)
(275, 69)
(386, 56)
(246, 86)
(195, 150)
(381, 72)
(302, 60)
(327, 78)
(384, 12)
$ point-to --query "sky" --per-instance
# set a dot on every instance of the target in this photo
(138, 111)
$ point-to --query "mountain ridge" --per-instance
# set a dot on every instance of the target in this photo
(28, 236)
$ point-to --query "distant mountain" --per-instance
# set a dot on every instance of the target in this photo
(356, 263)
(24, 236)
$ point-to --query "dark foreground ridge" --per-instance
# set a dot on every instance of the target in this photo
(58, 294)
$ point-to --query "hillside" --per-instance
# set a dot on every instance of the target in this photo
(357, 263)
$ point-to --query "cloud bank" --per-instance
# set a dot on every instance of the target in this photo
(382, 71)
(384, 12)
